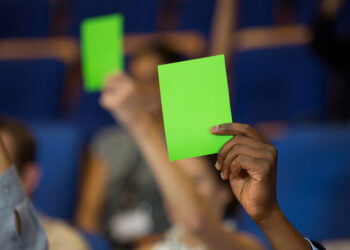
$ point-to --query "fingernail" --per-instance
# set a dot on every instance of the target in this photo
(215, 128)
(218, 166)
(222, 175)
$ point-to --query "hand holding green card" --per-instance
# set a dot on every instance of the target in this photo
(194, 97)
(101, 49)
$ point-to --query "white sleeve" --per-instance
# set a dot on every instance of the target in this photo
(311, 244)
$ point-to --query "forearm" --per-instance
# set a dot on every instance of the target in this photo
(281, 234)
(121, 99)
(89, 208)
(177, 190)
(224, 23)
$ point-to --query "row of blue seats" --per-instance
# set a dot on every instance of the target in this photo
(286, 84)
(313, 173)
(20, 18)
(60, 149)
(34, 89)
(312, 184)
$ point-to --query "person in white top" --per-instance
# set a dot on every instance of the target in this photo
(194, 197)
(248, 161)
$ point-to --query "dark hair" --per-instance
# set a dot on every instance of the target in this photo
(23, 142)
(163, 51)
(232, 206)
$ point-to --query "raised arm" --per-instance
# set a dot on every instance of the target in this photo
(249, 162)
(177, 189)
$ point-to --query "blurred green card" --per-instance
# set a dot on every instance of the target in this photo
(101, 49)
(195, 97)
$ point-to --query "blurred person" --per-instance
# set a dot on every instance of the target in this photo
(120, 196)
(247, 160)
(215, 193)
(195, 199)
(22, 149)
(20, 227)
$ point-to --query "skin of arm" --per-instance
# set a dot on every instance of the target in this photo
(249, 162)
(5, 162)
(120, 98)
(223, 27)
(91, 198)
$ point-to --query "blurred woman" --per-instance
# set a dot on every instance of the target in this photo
(196, 201)
(120, 196)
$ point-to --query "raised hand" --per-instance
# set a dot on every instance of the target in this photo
(119, 97)
(248, 161)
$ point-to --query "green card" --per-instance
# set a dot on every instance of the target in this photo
(194, 97)
(101, 49)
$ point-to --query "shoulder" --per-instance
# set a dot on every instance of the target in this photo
(111, 137)
(108, 133)
(61, 235)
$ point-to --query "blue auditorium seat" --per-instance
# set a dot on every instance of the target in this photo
(197, 15)
(307, 11)
(89, 115)
(23, 18)
(59, 153)
(140, 16)
(257, 13)
(253, 13)
(285, 84)
(31, 88)
(313, 181)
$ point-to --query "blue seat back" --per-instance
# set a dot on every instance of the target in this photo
(313, 181)
(253, 13)
(89, 115)
(59, 154)
(22, 18)
(31, 88)
(197, 15)
(288, 84)
(140, 16)
(307, 11)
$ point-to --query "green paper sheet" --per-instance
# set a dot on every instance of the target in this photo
(194, 97)
(101, 49)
